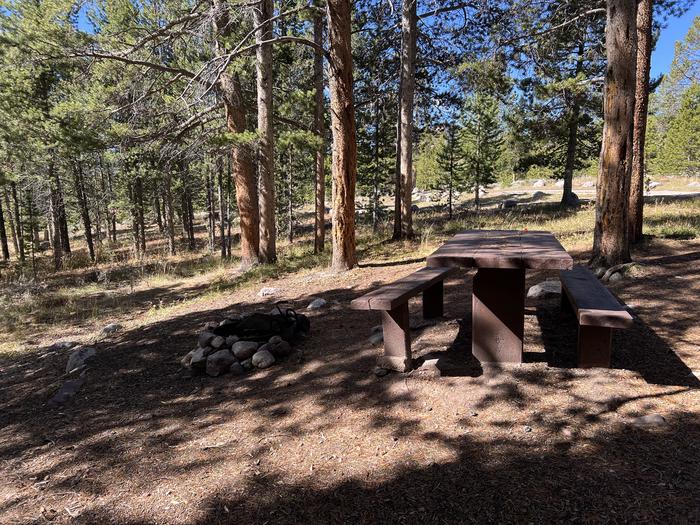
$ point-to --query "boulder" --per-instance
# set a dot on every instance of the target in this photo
(376, 338)
(617, 276)
(263, 359)
(67, 390)
(187, 360)
(247, 364)
(649, 421)
(244, 349)
(209, 326)
(62, 345)
(219, 362)
(217, 342)
(268, 291)
(237, 369)
(79, 357)
(279, 349)
(508, 203)
(199, 359)
(539, 183)
(317, 303)
(275, 339)
(111, 328)
(544, 289)
(538, 195)
(205, 338)
(231, 340)
(380, 371)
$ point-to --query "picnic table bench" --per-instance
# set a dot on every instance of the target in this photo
(392, 300)
(597, 312)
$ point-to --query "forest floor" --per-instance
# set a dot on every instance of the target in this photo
(325, 440)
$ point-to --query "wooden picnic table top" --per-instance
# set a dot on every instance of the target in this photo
(537, 250)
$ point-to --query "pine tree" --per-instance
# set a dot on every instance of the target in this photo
(482, 140)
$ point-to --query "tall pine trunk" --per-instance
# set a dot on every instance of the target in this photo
(641, 105)
(568, 198)
(3, 236)
(18, 221)
(409, 33)
(243, 172)
(344, 163)
(56, 204)
(223, 212)
(610, 240)
(79, 184)
(377, 173)
(11, 220)
(60, 208)
(169, 211)
(266, 169)
(319, 171)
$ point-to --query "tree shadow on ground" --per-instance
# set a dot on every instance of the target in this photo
(638, 349)
(138, 422)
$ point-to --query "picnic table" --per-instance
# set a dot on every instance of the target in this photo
(498, 301)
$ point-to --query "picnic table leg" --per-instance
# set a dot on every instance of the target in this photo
(498, 315)
(594, 346)
(397, 339)
(433, 301)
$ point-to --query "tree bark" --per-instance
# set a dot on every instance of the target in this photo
(18, 221)
(610, 241)
(169, 212)
(243, 173)
(319, 172)
(242, 169)
(290, 196)
(55, 218)
(344, 159)
(568, 198)
(60, 208)
(409, 32)
(641, 105)
(223, 215)
(11, 220)
(79, 183)
(266, 169)
(3, 236)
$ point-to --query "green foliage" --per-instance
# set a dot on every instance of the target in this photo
(482, 140)
(673, 134)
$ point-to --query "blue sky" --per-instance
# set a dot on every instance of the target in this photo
(675, 29)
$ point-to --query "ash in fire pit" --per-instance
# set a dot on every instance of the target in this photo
(238, 345)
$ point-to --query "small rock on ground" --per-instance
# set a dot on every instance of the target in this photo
(617, 276)
(376, 338)
(380, 371)
(67, 391)
(111, 328)
(219, 362)
(544, 289)
(244, 349)
(649, 421)
(205, 338)
(237, 369)
(199, 359)
(317, 303)
(263, 359)
(217, 342)
(79, 357)
(267, 291)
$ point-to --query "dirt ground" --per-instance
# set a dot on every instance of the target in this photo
(325, 441)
